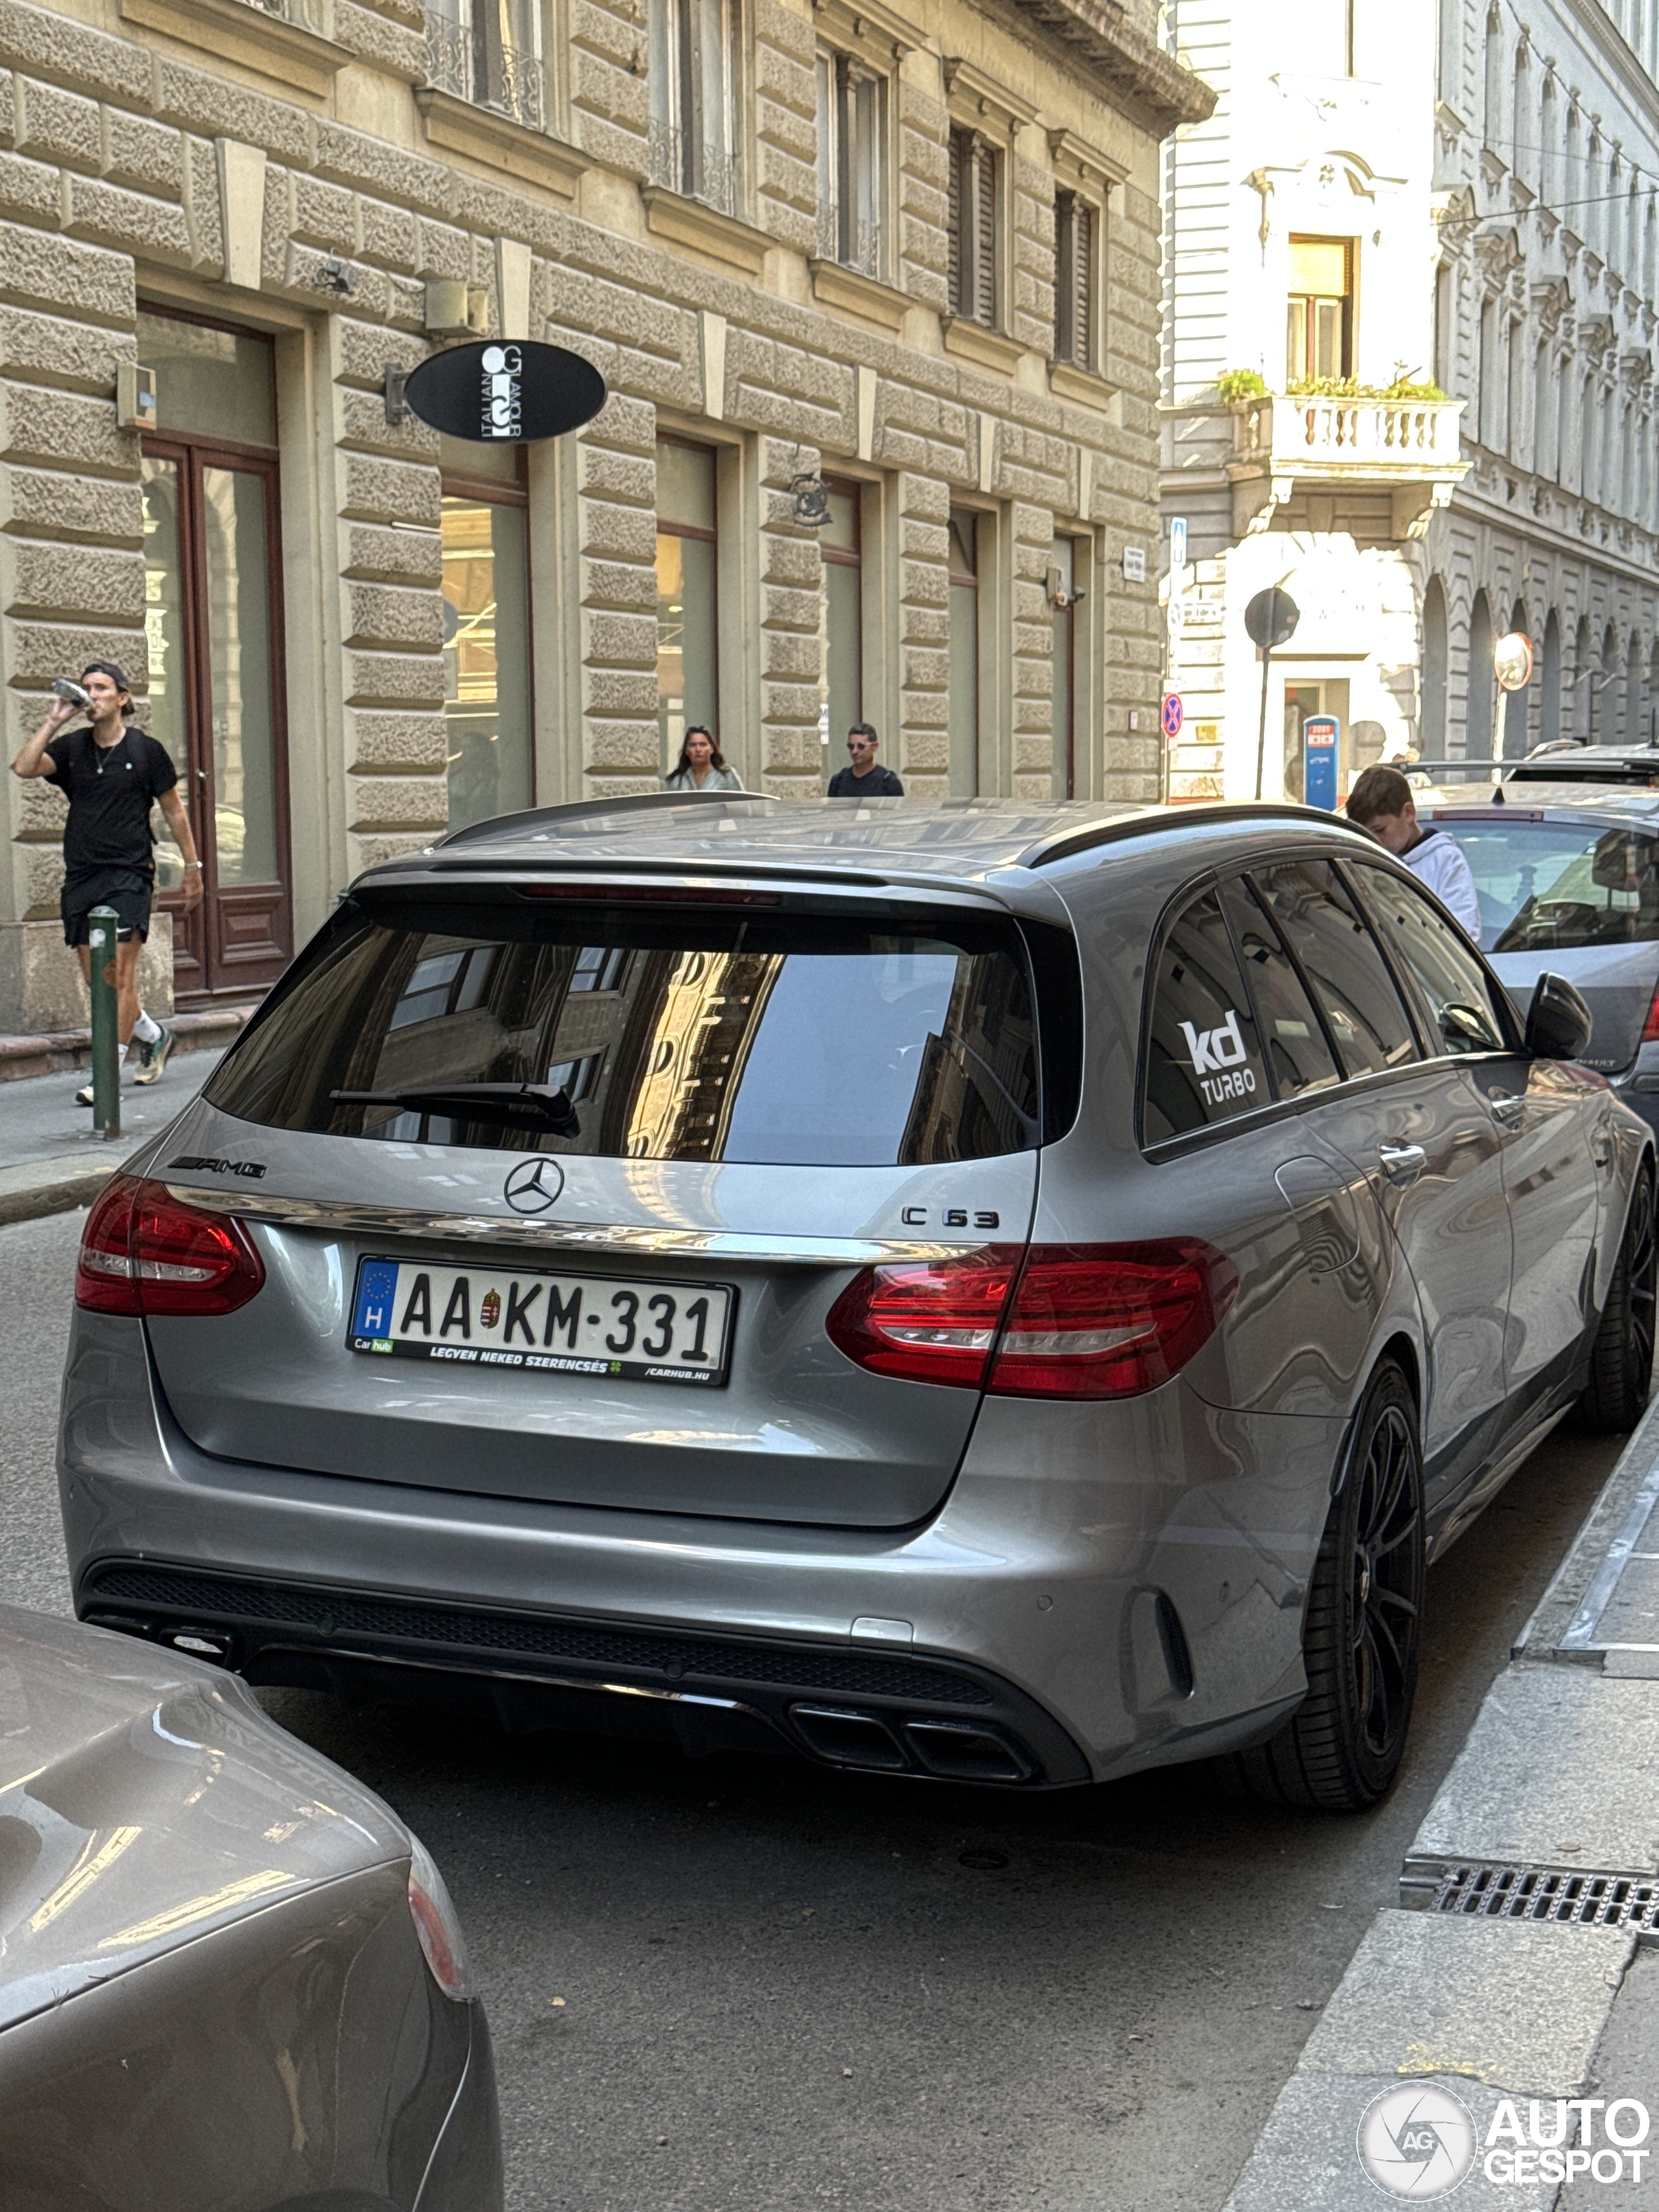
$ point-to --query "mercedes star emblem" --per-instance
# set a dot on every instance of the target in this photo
(533, 1185)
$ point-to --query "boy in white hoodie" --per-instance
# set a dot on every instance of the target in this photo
(1381, 801)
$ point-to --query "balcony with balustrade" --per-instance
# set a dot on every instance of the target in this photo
(1321, 445)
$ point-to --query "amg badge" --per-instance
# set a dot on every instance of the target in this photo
(253, 1170)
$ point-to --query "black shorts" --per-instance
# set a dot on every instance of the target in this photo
(131, 909)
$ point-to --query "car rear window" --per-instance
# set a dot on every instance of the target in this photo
(1546, 887)
(785, 1039)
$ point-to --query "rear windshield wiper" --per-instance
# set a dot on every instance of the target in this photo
(494, 1105)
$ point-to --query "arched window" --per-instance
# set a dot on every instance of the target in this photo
(1431, 715)
(1588, 222)
(1583, 677)
(1545, 421)
(1547, 156)
(1587, 429)
(1600, 683)
(1516, 703)
(1633, 702)
(1549, 689)
(1523, 147)
(1477, 724)
(1633, 235)
(1564, 425)
(1492, 120)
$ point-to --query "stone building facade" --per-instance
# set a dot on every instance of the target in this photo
(1457, 194)
(900, 266)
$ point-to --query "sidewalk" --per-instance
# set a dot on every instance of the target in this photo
(1516, 1967)
(50, 1160)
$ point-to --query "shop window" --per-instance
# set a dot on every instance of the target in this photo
(693, 78)
(967, 530)
(1319, 320)
(972, 220)
(487, 51)
(486, 605)
(852, 164)
(841, 620)
(1077, 230)
(688, 679)
(213, 635)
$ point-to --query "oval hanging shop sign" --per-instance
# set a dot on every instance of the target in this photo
(512, 390)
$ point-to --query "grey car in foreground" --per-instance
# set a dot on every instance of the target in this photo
(991, 1293)
(230, 1979)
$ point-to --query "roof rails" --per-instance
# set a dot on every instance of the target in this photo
(1114, 828)
(643, 802)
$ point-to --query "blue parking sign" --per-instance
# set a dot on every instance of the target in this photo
(1319, 747)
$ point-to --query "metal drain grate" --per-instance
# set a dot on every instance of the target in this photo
(1556, 1894)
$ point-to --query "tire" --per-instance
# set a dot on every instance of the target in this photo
(1341, 1749)
(1621, 1382)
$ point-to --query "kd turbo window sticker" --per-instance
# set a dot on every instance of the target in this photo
(1218, 1057)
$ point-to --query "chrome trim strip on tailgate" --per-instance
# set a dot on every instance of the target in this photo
(568, 1235)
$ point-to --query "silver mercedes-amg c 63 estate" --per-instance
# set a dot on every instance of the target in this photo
(1006, 1294)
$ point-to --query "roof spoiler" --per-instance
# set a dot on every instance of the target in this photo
(642, 802)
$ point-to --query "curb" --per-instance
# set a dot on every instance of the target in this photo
(53, 1185)
(1494, 1980)
(68, 1052)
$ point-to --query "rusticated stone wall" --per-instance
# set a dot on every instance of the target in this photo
(211, 158)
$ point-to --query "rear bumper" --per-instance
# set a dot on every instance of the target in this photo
(1109, 1612)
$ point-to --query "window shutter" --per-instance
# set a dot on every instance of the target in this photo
(985, 231)
(1319, 267)
(953, 223)
(1083, 272)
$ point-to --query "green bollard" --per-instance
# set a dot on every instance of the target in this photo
(102, 924)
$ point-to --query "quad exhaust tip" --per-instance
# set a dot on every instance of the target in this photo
(952, 1750)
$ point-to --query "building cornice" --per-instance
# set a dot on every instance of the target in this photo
(1600, 35)
(1151, 86)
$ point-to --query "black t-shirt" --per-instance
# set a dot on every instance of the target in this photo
(110, 791)
(879, 783)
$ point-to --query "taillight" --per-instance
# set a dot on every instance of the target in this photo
(144, 1251)
(1055, 1320)
(1109, 1320)
(931, 1320)
(437, 1925)
(1650, 1027)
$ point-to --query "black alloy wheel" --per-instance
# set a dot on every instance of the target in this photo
(1341, 1749)
(1615, 1395)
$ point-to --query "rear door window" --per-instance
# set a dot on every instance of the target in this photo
(1298, 1051)
(782, 1039)
(1467, 1007)
(1551, 886)
(1342, 962)
(1203, 1061)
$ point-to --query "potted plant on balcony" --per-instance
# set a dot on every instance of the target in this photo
(1239, 387)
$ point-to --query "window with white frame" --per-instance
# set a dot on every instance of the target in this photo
(1078, 229)
(973, 224)
(489, 52)
(694, 77)
(852, 160)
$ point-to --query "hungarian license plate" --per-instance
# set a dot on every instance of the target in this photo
(645, 1332)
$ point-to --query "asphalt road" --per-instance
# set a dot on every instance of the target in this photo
(744, 1985)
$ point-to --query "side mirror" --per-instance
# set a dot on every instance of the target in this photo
(1558, 1022)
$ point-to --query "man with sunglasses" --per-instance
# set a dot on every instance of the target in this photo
(864, 777)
